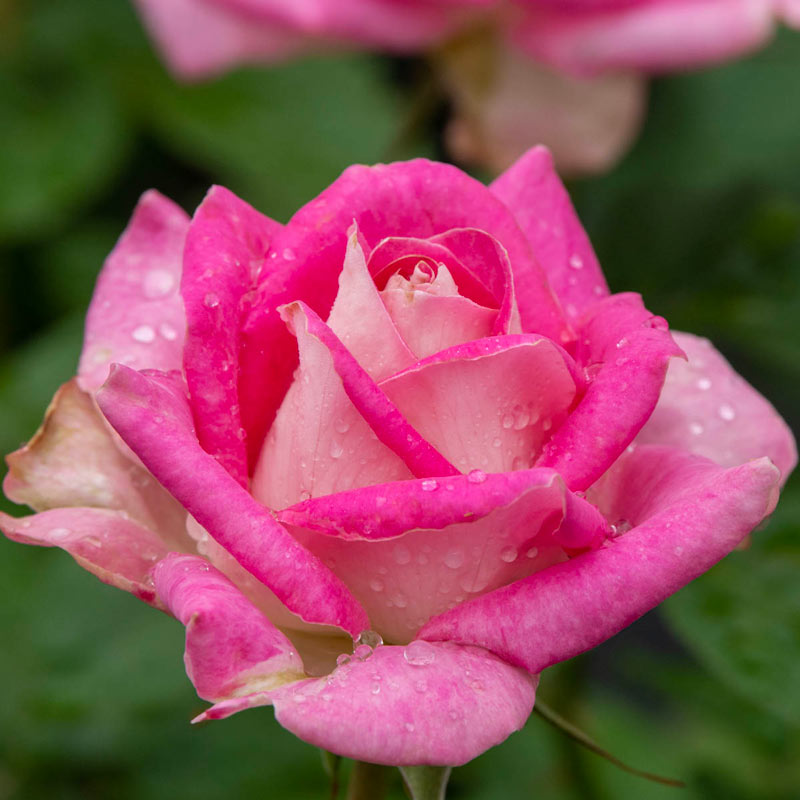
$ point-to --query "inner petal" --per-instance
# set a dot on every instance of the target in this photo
(430, 314)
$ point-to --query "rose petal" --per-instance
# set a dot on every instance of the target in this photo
(411, 549)
(232, 649)
(689, 518)
(533, 191)
(654, 36)
(136, 316)
(360, 319)
(225, 250)
(790, 12)
(156, 424)
(73, 460)
(588, 123)
(706, 408)
(106, 543)
(199, 38)
(319, 443)
(434, 704)
(384, 201)
(487, 404)
(631, 350)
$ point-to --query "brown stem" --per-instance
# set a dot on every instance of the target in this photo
(367, 781)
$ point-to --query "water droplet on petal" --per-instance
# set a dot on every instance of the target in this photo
(370, 638)
(376, 584)
(476, 476)
(400, 600)
(342, 659)
(288, 254)
(429, 485)
(144, 334)
(704, 384)
(695, 428)
(402, 555)
(362, 652)
(336, 449)
(168, 332)
(376, 688)
(508, 554)
(532, 552)
(727, 413)
(508, 421)
(157, 283)
(621, 343)
(419, 653)
(211, 300)
(454, 559)
(410, 727)
(57, 533)
(576, 262)
(342, 425)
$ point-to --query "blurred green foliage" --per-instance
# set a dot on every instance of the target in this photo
(703, 218)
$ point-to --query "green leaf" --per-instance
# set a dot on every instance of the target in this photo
(742, 620)
(426, 783)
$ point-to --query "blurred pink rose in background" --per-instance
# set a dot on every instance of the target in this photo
(414, 415)
(567, 73)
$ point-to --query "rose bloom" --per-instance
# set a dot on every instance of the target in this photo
(389, 461)
(570, 73)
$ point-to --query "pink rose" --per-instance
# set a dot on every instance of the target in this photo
(476, 456)
(569, 73)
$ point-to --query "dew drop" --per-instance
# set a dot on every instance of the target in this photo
(678, 551)
(695, 428)
(508, 421)
(58, 533)
(376, 584)
(168, 332)
(400, 600)
(144, 334)
(336, 449)
(211, 300)
(341, 425)
(376, 688)
(497, 442)
(476, 476)
(532, 552)
(508, 554)
(429, 485)
(362, 652)
(157, 283)
(704, 384)
(421, 686)
(419, 653)
(288, 254)
(342, 659)
(727, 413)
(620, 526)
(454, 559)
(621, 343)
(370, 638)
(410, 727)
(402, 555)
(576, 262)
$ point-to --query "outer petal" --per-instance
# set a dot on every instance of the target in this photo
(156, 424)
(225, 251)
(408, 26)
(488, 404)
(198, 38)
(232, 649)
(73, 460)
(106, 543)
(688, 514)
(588, 123)
(385, 200)
(627, 349)
(706, 408)
(136, 316)
(422, 704)
(534, 193)
(653, 36)
(412, 549)
(790, 12)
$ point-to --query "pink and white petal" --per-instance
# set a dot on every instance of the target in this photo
(360, 319)
(699, 514)
(319, 443)
(232, 649)
(533, 191)
(488, 404)
(652, 37)
(628, 377)
(484, 256)
(136, 316)
(706, 408)
(412, 549)
(199, 38)
(427, 703)
(588, 122)
(431, 323)
(382, 416)
(73, 460)
(385, 201)
(106, 543)
(789, 11)
(407, 26)
(156, 424)
(227, 243)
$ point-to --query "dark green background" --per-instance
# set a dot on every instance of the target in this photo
(703, 218)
